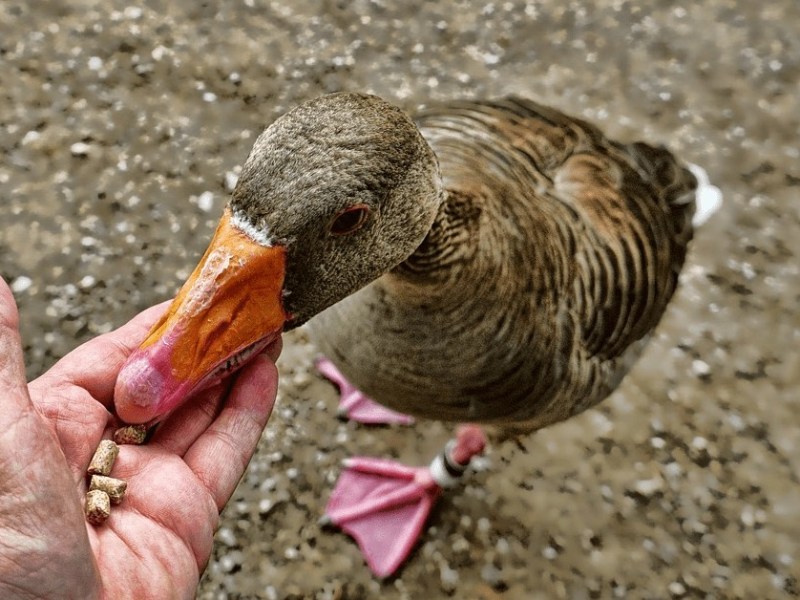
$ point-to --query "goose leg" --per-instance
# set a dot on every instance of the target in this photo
(355, 405)
(384, 504)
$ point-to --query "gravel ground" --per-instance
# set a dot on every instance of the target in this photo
(122, 129)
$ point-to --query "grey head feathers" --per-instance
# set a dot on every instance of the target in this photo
(327, 156)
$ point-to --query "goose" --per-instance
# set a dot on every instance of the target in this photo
(489, 262)
(493, 262)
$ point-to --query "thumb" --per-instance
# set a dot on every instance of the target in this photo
(13, 385)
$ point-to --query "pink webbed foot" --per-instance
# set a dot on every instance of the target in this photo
(384, 504)
(355, 405)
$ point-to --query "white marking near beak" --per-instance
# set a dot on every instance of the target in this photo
(259, 236)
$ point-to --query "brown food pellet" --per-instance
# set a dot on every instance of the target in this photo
(103, 458)
(115, 488)
(130, 434)
(97, 507)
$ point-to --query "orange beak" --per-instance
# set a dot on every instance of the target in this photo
(229, 310)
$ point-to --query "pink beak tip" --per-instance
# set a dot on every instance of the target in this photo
(143, 389)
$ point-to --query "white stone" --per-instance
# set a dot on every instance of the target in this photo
(205, 201)
(673, 470)
(648, 487)
(449, 577)
(748, 517)
(226, 536)
(31, 136)
(700, 368)
(79, 149)
(87, 281)
(736, 421)
(159, 52)
(676, 588)
(549, 553)
(231, 179)
(20, 284)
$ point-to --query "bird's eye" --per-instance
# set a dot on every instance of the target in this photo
(349, 220)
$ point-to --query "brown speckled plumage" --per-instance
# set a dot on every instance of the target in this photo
(535, 262)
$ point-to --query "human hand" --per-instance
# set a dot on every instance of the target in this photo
(158, 541)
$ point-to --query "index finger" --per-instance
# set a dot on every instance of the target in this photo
(220, 455)
(94, 365)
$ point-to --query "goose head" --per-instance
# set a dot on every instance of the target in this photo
(333, 194)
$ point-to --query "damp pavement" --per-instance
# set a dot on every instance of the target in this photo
(122, 130)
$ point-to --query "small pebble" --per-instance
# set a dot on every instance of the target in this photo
(449, 577)
(301, 379)
(676, 588)
(79, 149)
(502, 546)
(159, 52)
(491, 574)
(673, 470)
(748, 517)
(270, 592)
(30, 137)
(231, 561)
(231, 179)
(20, 284)
(226, 536)
(607, 493)
(205, 201)
(736, 422)
(648, 487)
(87, 281)
(700, 368)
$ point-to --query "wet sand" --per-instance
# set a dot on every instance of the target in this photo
(122, 129)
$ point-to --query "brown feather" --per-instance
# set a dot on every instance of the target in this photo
(551, 259)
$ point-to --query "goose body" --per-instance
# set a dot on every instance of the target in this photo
(493, 262)
(550, 260)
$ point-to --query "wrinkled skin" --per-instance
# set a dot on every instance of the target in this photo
(158, 541)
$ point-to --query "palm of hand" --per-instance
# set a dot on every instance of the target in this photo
(157, 542)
